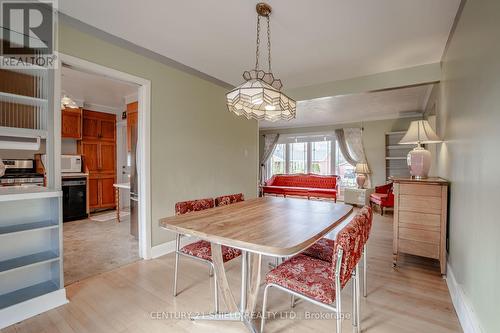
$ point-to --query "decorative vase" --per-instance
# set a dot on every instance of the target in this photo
(419, 162)
(360, 180)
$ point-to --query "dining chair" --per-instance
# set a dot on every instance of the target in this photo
(323, 249)
(229, 199)
(321, 282)
(199, 250)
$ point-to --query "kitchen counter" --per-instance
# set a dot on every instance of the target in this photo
(125, 186)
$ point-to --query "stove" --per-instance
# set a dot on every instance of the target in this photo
(21, 172)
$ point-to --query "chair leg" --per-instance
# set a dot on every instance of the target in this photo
(364, 271)
(358, 301)
(354, 302)
(210, 271)
(292, 301)
(216, 290)
(381, 211)
(176, 268)
(264, 306)
(338, 306)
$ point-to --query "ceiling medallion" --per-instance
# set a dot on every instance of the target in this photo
(260, 96)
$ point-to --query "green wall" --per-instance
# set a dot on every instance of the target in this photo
(198, 148)
(468, 118)
(373, 140)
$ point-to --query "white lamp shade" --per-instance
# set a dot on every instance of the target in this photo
(420, 131)
(362, 168)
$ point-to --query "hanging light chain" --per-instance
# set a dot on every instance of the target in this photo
(268, 44)
(258, 44)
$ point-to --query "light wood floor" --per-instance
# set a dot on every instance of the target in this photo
(413, 298)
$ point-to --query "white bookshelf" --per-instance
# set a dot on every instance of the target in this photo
(30, 249)
(395, 155)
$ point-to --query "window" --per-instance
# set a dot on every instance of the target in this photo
(321, 157)
(278, 159)
(298, 157)
(344, 170)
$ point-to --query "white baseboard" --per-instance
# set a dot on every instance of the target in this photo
(24, 310)
(465, 311)
(169, 247)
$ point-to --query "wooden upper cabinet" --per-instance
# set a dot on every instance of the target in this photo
(71, 123)
(132, 121)
(90, 128)
(99, 126)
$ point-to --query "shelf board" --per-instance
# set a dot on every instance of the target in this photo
(399, 147)
(14, 193)
(22, 132)
(27, 293)
(28, 261)
(16, 228)
(396, 158)
(25, 100)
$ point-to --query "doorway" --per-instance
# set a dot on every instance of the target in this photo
(131, 159)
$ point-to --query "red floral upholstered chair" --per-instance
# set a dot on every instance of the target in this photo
(320, 281)
(323, 249)
(228, 199)
(383, 197)
(200, 250)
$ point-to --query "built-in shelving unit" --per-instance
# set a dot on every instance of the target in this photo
(395, 155)
(30, 251)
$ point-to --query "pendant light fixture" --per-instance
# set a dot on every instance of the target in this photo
(260, 96)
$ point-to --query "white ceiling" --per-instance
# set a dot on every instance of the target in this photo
(312, 41)
(389, 104)
(100, 91)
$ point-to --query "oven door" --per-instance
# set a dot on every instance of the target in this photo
(74, 199)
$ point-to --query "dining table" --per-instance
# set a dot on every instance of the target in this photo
(271, 226)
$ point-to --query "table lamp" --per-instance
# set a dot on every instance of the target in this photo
(362, 170)
(419, 159)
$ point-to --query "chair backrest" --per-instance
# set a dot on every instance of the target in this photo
(385, 189)
(229, 199)
(349, 245)
(184, 207)
(368, 213)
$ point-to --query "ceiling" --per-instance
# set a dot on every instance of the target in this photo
(99, 91)
(312, 41)
(389, 104)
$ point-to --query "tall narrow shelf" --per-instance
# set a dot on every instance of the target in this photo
(31, 275)
(395, 155)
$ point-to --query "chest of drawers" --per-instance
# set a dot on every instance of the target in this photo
(420, 218)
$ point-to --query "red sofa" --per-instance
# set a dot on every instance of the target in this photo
(305, 185)
(383, 197)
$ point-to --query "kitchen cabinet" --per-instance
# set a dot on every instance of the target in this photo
(99, 126)
(71, 123)
(98, 148)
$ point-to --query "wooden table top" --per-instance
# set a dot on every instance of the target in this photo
(269, 225)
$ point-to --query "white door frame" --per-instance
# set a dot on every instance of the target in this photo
(143, 165)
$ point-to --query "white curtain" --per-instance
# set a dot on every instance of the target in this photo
(270, 143)
(350, 142)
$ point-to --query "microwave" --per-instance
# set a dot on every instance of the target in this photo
(71, 163)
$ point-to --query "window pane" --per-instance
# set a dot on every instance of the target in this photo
(344, 170)
(298, 157)
(321, 157)
(278, 160)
